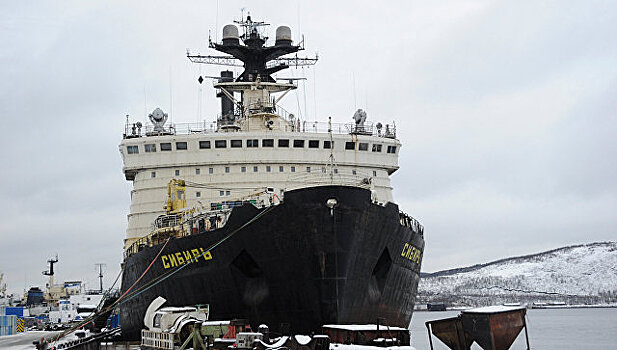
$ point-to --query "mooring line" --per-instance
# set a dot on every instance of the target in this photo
(168, 274)
(94, 316)
(124, 297)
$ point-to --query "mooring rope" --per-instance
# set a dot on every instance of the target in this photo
(126, 296)
(95, 315)
(146, 270)
(168, 274)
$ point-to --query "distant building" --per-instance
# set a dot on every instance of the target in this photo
(73, 287)
(34, 296)
(56, 292)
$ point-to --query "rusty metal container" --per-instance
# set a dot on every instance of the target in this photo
(493, 328)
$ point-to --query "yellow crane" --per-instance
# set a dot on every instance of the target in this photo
(176, 196)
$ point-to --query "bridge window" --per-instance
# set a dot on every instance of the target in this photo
(252, 143)
(236, 143)
(150, 147)
(283, 143)
(267, 143)
(132, 149)
(376, 148)
(166, 146)
(220, 144)
(204, 144)
(181, 146)
(299, 143)
(391, 149)
(350, 145)
(363, 146)
(313, 143)
(327, 144)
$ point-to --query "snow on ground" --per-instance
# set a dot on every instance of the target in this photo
(367, 347)
(589, 269)
(22, 341)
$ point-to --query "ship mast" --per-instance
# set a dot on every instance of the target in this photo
(50, 272)
(255, 84)
(257, 59)
(100, 267)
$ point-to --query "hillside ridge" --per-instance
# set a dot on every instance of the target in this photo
(576, 274)
(513, 258)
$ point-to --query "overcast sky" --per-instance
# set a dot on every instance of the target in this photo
(506, 111)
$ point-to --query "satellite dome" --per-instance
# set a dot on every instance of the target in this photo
(283, 36)
(230, 35)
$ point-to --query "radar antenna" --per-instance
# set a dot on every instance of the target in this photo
(250, 51)
(250, 27)
(233, 62)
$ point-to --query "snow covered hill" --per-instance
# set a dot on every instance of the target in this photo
(575, 274)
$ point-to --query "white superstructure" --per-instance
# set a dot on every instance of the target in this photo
(254, 146)
(239, 163)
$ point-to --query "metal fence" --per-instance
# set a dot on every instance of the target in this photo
(8, 324)
(157, 340)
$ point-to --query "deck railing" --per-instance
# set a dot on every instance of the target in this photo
(410, 222)
(132, 131)
(178, 227)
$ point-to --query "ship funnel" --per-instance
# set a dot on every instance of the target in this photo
(227, 105)
(283, 36)
(230, 35)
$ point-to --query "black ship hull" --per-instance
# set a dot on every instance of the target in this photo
(300, 264)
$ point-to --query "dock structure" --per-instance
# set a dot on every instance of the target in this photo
(367, 334)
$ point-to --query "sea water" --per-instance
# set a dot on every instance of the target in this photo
(563, 329)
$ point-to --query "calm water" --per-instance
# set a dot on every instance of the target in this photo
(565, 329)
